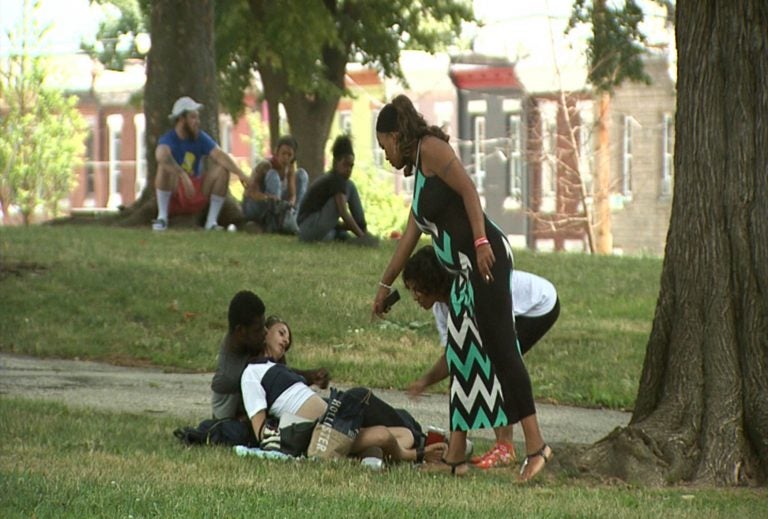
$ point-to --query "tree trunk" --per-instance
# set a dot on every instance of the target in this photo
(309, 115)
(181, 62)
(702, 408)
(310, 121)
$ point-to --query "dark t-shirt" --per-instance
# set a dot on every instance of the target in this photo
(325, 187)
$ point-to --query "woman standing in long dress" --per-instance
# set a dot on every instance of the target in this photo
(489, 385)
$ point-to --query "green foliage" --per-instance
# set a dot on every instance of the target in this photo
(297, 40)
(385, 211)
(122, 35)
(43, 132)
(617, 45)
(68, 462)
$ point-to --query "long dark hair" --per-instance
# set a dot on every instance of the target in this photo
(424, 273)
(412, 126)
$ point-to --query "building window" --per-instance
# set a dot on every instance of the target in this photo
(515, 161)
(378, 153)
(345, 122)
(478, 155)
(667, 160)
(548, 156)
(141, 153)
(586, 144)
(283, 119)
(443, 114)
(91, 164)
(626, 157)
(225, 133)
(115, 125)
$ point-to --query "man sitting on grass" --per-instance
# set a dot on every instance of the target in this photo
(182, 185)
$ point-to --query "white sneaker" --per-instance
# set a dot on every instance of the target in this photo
(159, 225)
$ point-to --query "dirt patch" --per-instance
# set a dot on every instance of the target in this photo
(20, 268)
(143, 390)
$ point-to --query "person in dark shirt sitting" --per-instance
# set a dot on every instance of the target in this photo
(334, 197)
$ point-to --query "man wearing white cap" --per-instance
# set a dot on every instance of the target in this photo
(182, 185)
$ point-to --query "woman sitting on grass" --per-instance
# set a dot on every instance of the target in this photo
(270, 388)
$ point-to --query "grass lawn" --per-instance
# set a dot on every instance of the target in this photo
(59, 462)
(129, 296)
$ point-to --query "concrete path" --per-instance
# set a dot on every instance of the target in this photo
(187, 396)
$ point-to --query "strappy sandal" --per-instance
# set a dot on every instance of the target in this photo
(443, 466)
(541, 452)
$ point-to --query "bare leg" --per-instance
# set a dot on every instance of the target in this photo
(457, 447)
(503, 434)
(537, 451)
(166, 179)
(215, 180)
(380, 436)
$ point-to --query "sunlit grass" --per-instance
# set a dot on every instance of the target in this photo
(59, 462)
(133, 297)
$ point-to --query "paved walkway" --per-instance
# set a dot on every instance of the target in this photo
(187, 396)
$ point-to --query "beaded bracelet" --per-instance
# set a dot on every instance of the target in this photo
(384, 285)
(481, 241)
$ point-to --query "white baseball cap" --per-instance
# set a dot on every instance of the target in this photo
(184, 104)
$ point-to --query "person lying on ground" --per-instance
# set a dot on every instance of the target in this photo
(270, 389)
(245, 336)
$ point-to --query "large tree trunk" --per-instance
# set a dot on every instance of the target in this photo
(181, 62)
(309, 115)
(310, 121)
(702, 406)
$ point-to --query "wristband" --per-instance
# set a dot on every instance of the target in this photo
(481, 241)
(384, 285)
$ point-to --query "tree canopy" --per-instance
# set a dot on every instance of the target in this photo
(301, 50)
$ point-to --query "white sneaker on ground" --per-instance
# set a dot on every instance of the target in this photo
(159, 225)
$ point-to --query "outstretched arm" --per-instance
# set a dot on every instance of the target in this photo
(225, 160)
(438, 372)
(258, 423)
(318, 377)
(341, 206)
(404, 249)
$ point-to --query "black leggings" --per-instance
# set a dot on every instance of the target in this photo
(379, 412)
(531, 329)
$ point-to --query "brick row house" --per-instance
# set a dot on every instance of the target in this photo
(531, 154)
(529, 150)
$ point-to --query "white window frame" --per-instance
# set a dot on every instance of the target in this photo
(626, 157)
(586, 110)
(345, 122)
(378, 153)
(115, 137)
(515, 160)
(478, 152)
(668, 155)
(91, 162)
(225, 133)
(141, 155)
(548, 110)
